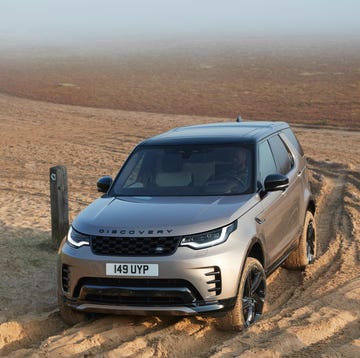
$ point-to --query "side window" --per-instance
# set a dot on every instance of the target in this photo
(283, 157)
(266, 162)
(292, 138)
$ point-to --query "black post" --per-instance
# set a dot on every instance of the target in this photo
(59, 204)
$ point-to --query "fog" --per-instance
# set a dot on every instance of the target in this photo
(77, 20)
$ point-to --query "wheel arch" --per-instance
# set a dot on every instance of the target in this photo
(256, 251)
(311, 206)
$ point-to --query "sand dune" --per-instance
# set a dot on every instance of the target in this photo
(314, 313)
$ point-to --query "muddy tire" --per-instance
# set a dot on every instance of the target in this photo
(69, 315)
(305, 253)
(250, 299)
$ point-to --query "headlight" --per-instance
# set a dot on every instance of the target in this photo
(76, 239)
(209, 238)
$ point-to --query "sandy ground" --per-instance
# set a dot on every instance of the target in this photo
(314, 313)
(307, 80)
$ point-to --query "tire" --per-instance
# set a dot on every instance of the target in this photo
(305, 253)
(69, 315)
(250, 299)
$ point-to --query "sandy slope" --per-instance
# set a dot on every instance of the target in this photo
(315, 313)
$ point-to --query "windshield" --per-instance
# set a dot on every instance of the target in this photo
(186, 170)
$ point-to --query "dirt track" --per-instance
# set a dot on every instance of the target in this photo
(315, 313)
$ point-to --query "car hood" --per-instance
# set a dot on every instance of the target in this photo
(161, 216)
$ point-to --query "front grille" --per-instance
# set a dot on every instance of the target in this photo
(134, 246)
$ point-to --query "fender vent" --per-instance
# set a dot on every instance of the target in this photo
(65, 277)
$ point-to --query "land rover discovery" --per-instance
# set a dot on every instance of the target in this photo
(193, 223)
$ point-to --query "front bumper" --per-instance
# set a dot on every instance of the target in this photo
(190, 281)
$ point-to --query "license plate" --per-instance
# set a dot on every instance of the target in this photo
(113, 269)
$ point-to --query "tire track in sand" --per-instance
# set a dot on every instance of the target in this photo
(312, 315)
(112, 336)
(283, 285)
(322, 316)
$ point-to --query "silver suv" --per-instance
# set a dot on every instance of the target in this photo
(192, 224)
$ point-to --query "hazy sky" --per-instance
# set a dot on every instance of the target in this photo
(77, 18)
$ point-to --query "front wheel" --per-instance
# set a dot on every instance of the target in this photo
(250, 299)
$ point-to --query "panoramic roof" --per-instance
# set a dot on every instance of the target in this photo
(217, 133)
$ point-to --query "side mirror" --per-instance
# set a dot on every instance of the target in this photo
(275, 182)
(104, 183)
